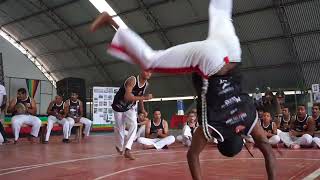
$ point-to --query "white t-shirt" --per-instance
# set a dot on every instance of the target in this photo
(2, 93)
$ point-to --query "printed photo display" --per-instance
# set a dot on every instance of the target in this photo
(102, 101)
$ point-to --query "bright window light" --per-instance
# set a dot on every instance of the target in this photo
(103, 6)
(33, 59)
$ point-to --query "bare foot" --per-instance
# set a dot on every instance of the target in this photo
(118, 150)
(148, 147)
(102, 20)
(295, 146)
(127, 154)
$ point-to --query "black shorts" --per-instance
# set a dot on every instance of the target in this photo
(227, 110)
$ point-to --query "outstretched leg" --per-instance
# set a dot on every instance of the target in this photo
(205, 57)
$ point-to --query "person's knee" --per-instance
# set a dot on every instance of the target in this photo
(171, 139)
(179, 138)
(140, 140)
(308, 138)
(276, 139)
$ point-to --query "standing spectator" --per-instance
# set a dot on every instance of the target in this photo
(3, 104)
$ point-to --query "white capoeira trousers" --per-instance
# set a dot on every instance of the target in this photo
(66, 124)
(275, 139)
(186, 136)
(19, 120)
(316, 141)
(141, 132)
(305, 140)
(122, 120)
(158, 143)
(1, 139)
(205, 57)
(86, 122)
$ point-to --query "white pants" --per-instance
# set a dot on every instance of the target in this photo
(205, 57)
(275, 139)
(158, 143)
(123, 120)
(86, 122)
(19, 120)
(305, 140)
(316, 140)
(66, 124)
(1, 139)
(186, 136)
(141, 132)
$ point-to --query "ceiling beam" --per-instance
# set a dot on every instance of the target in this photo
(150, 6)
(89, 22)
(86, 66)
(39, 12)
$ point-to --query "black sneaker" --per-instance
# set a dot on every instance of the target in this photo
(66, 140)
(46, 142)
(6, 141)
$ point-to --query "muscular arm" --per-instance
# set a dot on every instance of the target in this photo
(33, 109)
(311, 126)
(81, 109)
(274, 129)
(4, 102)
(49, 110)
(128, 96)
(12, 105)
(66, 108)
(262, 143)
(277, 122)
(165, 132)
(199, 142)
(141, 105)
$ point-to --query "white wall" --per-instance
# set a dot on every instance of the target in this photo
(17, 68)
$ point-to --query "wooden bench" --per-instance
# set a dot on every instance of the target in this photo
(78, 126)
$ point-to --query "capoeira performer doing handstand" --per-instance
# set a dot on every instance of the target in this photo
(224, 112)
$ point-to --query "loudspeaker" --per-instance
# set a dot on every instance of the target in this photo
(68, 85)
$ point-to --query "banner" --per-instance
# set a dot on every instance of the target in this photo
(32, 86)
(102, 101)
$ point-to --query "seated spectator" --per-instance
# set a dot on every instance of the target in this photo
(284, 121)
(57, 115)
(23, 109)
(188, 129)
(270, 128)
(301, 130)
(316, 117)
(142, 122)
(157, 133)
(73, 108)
(260, 114)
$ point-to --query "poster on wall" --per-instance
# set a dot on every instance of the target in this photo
(315, 88)
(102, 101)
